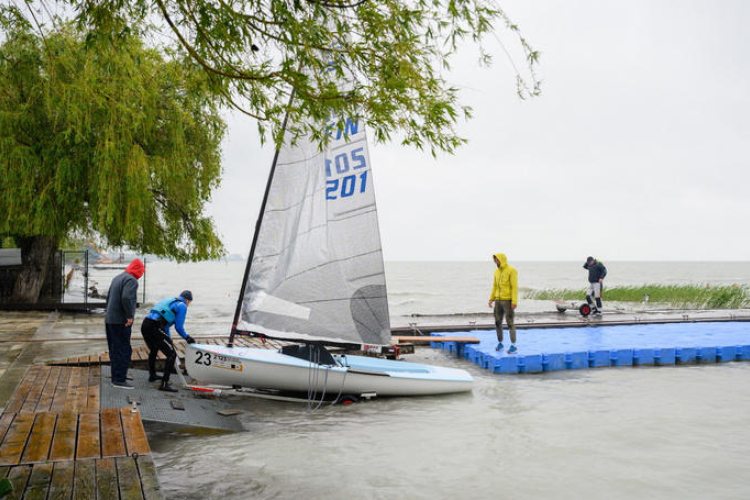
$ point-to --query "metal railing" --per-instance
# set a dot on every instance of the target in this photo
(84, 278)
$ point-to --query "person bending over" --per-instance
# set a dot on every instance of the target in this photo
(597, 273)
(155, 330)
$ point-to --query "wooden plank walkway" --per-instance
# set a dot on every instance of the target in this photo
(140, 354)
(139, 357)
(426, 339)
(57, 443)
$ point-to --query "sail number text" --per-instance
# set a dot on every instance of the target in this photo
(203, 358)
(344, 163)
(217, 361)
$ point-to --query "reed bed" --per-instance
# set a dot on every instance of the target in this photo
(699, 296)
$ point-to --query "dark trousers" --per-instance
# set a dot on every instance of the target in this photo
(504, 308)
(118, 341)
(157, 340)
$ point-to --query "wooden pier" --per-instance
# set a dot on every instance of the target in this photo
(56, 442)
(139, 358)
(573, 320)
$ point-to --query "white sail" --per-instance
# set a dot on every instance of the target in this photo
(317, 269)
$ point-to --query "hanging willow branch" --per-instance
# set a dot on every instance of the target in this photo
(257, 52)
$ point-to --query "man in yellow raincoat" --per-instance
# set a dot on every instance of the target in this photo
(504, 295)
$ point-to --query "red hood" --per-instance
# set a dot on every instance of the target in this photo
(136, 269)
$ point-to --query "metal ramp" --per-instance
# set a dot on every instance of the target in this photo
(182, 408)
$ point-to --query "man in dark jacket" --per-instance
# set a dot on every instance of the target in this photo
(597, 272)
(155, 329)
(121, 302)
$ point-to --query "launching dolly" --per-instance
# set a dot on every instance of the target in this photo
(583, 308)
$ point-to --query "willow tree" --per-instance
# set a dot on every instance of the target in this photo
(107, 138)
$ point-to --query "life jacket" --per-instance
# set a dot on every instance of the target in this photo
(164, 309)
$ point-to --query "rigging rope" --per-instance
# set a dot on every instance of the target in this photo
(313, 378)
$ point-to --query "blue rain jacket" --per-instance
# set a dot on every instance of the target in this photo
(173, 310)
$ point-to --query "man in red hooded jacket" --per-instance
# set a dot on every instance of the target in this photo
(121, 302)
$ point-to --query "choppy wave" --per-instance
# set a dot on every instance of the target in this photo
(403, 302)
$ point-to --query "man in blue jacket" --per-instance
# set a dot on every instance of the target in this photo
(155, 330)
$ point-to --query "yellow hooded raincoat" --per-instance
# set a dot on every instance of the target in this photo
(505, 285)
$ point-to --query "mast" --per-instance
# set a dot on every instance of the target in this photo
(258, 224)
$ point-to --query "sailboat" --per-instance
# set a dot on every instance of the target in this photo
(315, 276)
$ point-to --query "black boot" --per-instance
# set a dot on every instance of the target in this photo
(166, 387)
(153, 377)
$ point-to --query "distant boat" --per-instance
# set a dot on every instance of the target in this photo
(102, 259)
(315, 275)
(114, 267)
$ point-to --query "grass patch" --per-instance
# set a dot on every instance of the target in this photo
(700, 296)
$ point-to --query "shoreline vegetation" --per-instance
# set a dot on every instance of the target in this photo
(699, 296)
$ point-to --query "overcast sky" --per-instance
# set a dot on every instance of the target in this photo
(638, 148)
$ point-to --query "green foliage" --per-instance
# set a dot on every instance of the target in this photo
(7, 242)
(115, 140)
(701, 296)
(255, 53)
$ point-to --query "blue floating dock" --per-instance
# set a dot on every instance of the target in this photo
(551, 349)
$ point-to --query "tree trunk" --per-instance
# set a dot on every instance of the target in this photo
(36, 254)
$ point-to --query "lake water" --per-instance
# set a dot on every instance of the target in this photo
(671, 432)
(433, 292)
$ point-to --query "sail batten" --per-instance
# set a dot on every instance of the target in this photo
(317, 272)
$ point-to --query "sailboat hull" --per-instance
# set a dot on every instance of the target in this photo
(269, 369)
